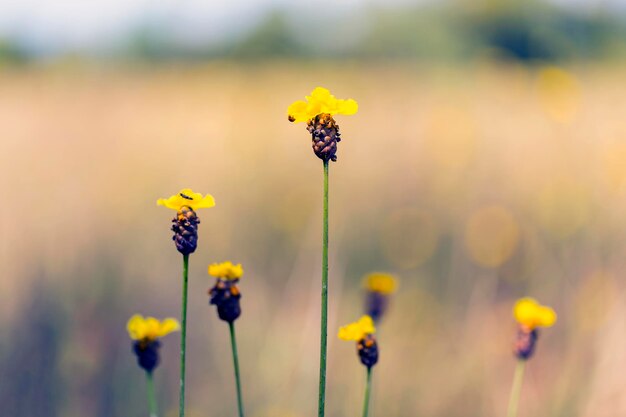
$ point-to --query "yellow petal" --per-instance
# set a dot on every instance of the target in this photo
(226, 270)
(320, 101)
(153, 327)
(136, 327)
(530, 313)
(297, 111)
(357, 330)
(381, 282)
(186, 197)
(347, 107)
(168, 326)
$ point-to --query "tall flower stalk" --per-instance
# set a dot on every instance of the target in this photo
(183, 336)
(225, 295)
(530, 315)
(146, 334)
(185, 228)
(317, 111)
(362, 332)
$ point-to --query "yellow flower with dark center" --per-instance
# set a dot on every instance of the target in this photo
(187, 198)
(530, 314)
(381, 282)
(358, 330)
(320, 102)
(150, 328)
(226, 270)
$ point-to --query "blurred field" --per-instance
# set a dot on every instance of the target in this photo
(475, 185)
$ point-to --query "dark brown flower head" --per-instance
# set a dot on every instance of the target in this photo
(225, 296)
(325, 135)
(367, 349)
(185, 228)
(525, 342)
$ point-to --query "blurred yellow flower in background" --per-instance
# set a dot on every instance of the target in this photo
(187, 198)
(380, 282)
(529, 313)
(358, 330)
(320, 102)
(150, 328)
(226, 270)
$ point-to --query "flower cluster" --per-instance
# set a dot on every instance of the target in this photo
(362, 332)
(530, 315)
(145, 333)
(318, 111)
(225, 293)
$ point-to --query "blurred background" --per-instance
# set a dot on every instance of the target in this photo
(487, 162)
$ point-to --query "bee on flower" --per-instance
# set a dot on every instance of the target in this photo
(146, 334)
(185, 224)
(318, 111)
(225, 294)
(378, 286)
(362, 332)
(530, 315)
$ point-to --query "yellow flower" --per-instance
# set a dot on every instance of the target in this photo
(320, 101)
(529, 313)
(149, 328)
(226, 270)
(187, 198)
(381, 282)
(358, 330)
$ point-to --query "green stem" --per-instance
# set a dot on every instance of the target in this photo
(183, 336)
(517, 388)
(233, 344)
(368, 388)
(324, 321)
(152, 404)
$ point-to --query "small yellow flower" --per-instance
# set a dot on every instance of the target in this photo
(149, 328)
(187, 198)
(530, 314)
(320, 102)
(226, 270)
(380, 282)
(358, 330)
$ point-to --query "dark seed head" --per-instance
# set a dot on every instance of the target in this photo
(525, 342)
(185, 228)
(367, 349)
(325, 135)
(225, 295)
(147, 354)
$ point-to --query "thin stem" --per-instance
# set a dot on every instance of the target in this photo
(517, 388)
(324, 321)
(233, 344)
(152, 404)
(183, 336)
(368, 388)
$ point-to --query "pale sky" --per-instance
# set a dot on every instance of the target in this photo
(83, 24)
